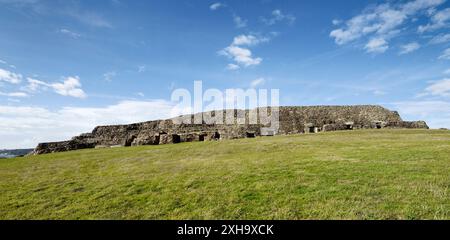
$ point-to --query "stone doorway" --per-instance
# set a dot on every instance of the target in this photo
(156, 142)
(201, 137)
(349, 126)
(250, 135)
(129, 141)
(216, 136)
(176, 138)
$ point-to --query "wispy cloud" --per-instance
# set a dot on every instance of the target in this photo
(10, 77)
(14, 94)
(278, 16)
(20, 3)
(6, 63)
(90, 18)
(437, 113)
(142, 68)
(441, 38)
(65, 8)
(439, 20)
(239, 22)
(249, 40)
(26, 126)
(70, 33)
(440, 88)
(70, 86)
(216, 6)
(109, 76)
(336, 22)
(379, 92)
(445, 55)
(233, 67)
(257, 82)
(377, 45)
(409, 48)
(381, 22)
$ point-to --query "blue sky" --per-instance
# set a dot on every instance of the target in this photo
(66, 66)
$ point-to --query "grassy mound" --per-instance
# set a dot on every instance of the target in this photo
(367, 174)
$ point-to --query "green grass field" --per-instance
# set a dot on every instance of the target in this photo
(367, 174)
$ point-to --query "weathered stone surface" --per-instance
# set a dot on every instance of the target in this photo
(293, 120)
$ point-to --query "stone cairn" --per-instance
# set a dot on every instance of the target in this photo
(292, 120)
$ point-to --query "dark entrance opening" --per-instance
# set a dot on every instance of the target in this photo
(379, 126)
(176, 138)
(250, 134)
(216, 136)
(129, 141)
(349, 127)
(156, 142)
(201, 137)
(312, 130)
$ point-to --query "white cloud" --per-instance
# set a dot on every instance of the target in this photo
(10, 77)
(19, 2)
(9, 65)
(423, 107)
(440, 88)
(239, 22)
(216, 6)
(441, 38)
(232, 66)
(382, 21)
(447, 72)
(336, 21)
(445, 55)
(278, 16)
(376, 45)
(142, 69)
(70, 33)
(241, 56)
(249, 40)
(257, 82)
(408, 48)
(61, 8)
(438, 20)
(379, 93)
(35, 85)
(70, 86)
(436, 113)
(109, 76)
(23, 127)
(90, 18)
(14, 94)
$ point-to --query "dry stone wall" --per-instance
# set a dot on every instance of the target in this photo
(293, 120)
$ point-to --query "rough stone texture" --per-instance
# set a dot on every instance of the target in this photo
(293, 120)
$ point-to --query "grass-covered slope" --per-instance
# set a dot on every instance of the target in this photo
(373, 174)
